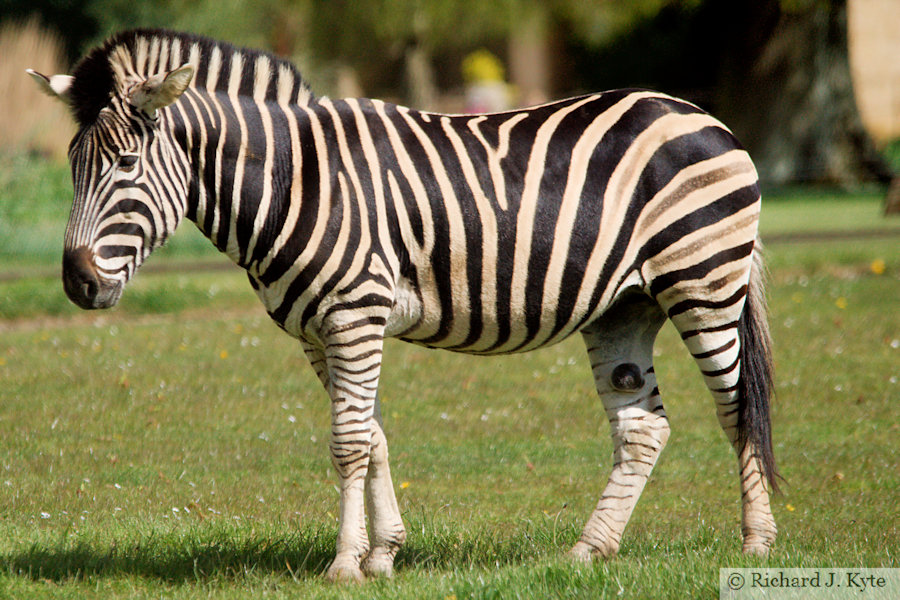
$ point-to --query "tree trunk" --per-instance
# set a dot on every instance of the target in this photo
(529, 61)
(789, 97)
(892, 200)
(420, 84)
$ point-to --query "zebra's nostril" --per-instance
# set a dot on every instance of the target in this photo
(89, 289)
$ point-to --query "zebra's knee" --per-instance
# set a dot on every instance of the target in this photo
(350, 461)
(638, 441)
(646, 439)
(378, 448)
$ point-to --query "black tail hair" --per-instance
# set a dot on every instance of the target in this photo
(755, 386)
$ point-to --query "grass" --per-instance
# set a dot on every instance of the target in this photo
(177, 445)
(815, 211)
(35, 198)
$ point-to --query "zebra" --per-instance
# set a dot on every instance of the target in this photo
(358, 220)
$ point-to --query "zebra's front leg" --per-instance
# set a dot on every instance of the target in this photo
(621, 362)
(352, 364)
(349, 368)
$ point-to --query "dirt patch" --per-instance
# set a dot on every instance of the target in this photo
(104, 319)
(829, 236)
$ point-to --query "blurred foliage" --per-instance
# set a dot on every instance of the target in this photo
(347, 28)
(72, 19)
(259, 23)
(892, 155)
(334, 28)
(409, 51)
(671, 50)
(374, 36)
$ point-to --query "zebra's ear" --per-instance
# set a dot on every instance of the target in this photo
(56, 86)
(160, 90)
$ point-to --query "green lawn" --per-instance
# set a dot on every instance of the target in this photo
(176, 446)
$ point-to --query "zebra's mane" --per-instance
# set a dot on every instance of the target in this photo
(134, 55)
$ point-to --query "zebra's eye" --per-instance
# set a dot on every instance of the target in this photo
(127, 162)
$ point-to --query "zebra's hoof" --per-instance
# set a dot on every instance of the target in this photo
(585, 553)
(340, 572)
(756, 550)
(580, 553)
(378, 566)
(757, 546)
(759, 534)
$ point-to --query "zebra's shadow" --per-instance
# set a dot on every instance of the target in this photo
(177, 558)
(170, 560)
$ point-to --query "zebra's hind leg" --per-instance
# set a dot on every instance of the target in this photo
(717, 354)
(731, 346)
(620, 346)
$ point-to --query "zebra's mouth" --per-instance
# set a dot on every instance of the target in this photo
(83, 284)
(106, 296)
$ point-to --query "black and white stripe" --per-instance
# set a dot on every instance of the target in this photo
(358, 219)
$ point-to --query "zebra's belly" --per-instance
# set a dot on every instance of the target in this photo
(474, 325)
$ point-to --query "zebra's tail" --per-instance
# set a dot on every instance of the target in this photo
(755, 386)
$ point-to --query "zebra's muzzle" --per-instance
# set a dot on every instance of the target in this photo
(83, 284)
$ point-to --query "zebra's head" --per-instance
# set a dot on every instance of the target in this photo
(130, 178)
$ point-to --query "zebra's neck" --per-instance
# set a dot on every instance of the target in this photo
(245, 158)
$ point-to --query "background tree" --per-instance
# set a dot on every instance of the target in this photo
(397, 46)
(70, 19)
(785, 88)
(776, 71)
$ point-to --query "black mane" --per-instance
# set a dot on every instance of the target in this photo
(95, 78)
